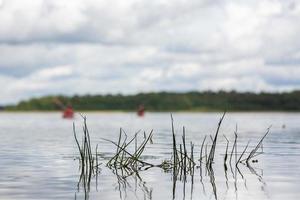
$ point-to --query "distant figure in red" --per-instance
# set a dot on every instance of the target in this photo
(68, 112)
(141, 111)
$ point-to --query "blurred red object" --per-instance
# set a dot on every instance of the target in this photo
(141, 111)
(68, 113)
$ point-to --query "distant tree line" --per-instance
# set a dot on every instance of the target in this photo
(169, 101)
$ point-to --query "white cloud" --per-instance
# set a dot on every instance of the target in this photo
(38, 19)
(89, 46)
(51, 73)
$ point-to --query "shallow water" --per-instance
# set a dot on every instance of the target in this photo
(38, 157)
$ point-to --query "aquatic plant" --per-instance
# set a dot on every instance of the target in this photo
(254, 152)
(89, 164)
(123, 158)
(127, 160)
(214, 144)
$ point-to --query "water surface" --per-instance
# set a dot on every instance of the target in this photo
(38, 157)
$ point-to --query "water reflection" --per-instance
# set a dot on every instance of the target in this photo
(124, 185)
(184, 178)
(84, 182)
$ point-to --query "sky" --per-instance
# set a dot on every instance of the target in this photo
(50, 47)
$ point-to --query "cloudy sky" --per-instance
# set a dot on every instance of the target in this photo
(116, 46)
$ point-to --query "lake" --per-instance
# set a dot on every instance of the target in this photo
(39, 156)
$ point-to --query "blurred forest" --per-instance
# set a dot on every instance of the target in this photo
(169, 101)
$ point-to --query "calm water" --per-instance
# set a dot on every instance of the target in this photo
(38, 151)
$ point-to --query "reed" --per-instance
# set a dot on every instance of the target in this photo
(226, 150)
(239, 160)
(234, 144)
(214, 144)
(123, 158)
(254, 153)
(89, 164)
(201, 151)
(175, 154)
(185, 161)
(128, 159)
